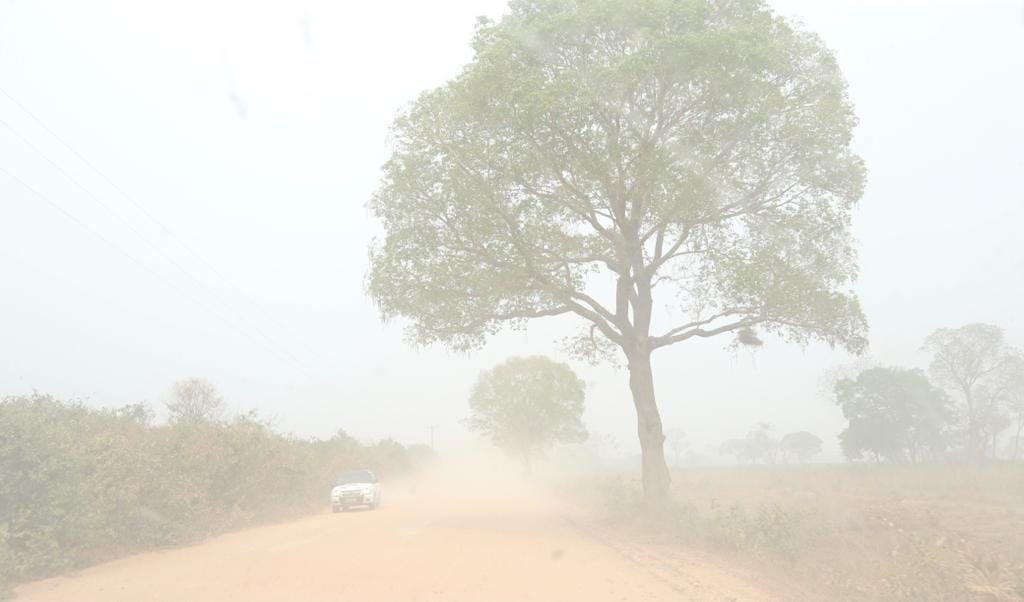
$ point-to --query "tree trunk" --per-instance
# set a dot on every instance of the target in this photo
(975, 448)
(652, 440)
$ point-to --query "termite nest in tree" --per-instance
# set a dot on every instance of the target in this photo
(748, 337)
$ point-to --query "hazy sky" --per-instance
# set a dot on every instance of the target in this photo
(253, 132)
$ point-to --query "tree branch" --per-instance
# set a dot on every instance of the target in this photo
(695, 329)
(661, 259)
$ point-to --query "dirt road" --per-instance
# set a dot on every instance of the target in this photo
(504, 543)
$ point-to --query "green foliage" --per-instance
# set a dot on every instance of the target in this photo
(700, 147)
(894, 414)
(528, 403)
(79, 485)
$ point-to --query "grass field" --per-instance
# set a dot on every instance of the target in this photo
(852, 532)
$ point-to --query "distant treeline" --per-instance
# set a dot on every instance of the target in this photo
(968, 405)
(81, 485)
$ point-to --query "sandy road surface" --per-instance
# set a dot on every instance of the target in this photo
(504, 543)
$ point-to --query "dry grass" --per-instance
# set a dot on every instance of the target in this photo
(951, 533)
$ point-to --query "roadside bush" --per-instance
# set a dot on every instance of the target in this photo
(79, 485)
(5, 560)
(770, 532)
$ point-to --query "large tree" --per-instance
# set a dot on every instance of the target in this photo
(527, 404)
(970, 362)
(666, 170)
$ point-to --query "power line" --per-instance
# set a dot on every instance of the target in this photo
(292, 360)
(135, 203)
(295, 362)
(137, 262)
(106, 207)
(80, 223)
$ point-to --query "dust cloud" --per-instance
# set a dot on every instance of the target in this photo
(458, 531)
(605, 300)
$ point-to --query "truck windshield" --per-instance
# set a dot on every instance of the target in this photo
(356, 476)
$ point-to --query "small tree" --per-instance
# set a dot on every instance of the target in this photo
(678, 443)
(894, 414)
(993, 419)
(758, 446)
(737, 448)
(800, 445)
(526, 404)
(761, 445)
(195, 400)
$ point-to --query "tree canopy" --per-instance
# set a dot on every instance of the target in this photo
(971, 362)
(195, 400)
(894, 414)
(527, 404)
(800, 445)
(663, 169)
(759, 445)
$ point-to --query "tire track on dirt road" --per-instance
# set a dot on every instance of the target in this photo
(689, 573)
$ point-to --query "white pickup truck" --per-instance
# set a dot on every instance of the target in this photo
(355, 488)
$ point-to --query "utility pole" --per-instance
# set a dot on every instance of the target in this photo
(431, 429)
